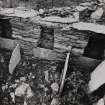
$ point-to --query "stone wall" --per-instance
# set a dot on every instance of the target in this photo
(28, 35)
(56, 3)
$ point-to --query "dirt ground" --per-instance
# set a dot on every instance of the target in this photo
(40, 75)
(34, 71)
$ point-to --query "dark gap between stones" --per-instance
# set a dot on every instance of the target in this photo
(5, 28)
(46, 38)
(95, 47)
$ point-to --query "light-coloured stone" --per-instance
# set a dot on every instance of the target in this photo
(55, 87)
(55, 101)
(97, 77)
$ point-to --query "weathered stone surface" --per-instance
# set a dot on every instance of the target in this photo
(15, 59)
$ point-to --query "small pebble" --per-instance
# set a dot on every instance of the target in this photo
(25, 103)
(30, 74)
(16, 81)
(41, 86)
(33, 65)
(7, 83)
(54, 68)
(46, 76)
(2, 60)
(13, 85)
(43, 104)
(4, 87)
(55, 87)
(33, 77)
(55, 101)
(12, 94)
(23, 79)
(24, 63)
(45, 89)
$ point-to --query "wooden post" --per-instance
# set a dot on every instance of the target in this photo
(64, 72)
(55, 100)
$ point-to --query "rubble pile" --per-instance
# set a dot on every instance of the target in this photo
(76, 89)
(32, 82)
(37, 81)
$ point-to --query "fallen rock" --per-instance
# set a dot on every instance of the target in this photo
(97, 77)
(55, 87)
(43, 104)
(12, 94)
(22, 79)
(16, 81)
(97, 14)
(100, 102)
(20, 90)
(15, 59)
(13, 85)
(29, 92)
(24, 90)
(55, 101)
(46, 76)
(25, 103)
(4, 87)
